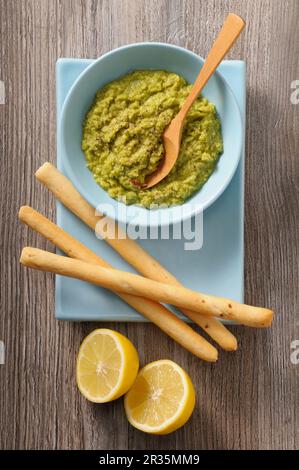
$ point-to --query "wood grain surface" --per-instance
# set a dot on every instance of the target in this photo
(249, 399)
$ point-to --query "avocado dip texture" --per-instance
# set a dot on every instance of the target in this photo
(122, 138)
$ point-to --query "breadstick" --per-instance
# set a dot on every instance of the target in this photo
(64, 190)
(155, 312)
(128, 283)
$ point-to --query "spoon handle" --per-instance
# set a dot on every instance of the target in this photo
(227, 36)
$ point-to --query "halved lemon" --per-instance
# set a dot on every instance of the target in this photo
(162, 398)
(107, 366)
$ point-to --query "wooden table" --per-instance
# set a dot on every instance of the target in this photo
(249, 399)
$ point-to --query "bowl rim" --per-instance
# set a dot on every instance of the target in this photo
(196, 207)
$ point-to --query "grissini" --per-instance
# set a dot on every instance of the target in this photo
(155, 312)
(128, 283)
(64, 190)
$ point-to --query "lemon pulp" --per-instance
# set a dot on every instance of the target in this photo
(107, 365)
(162, 398)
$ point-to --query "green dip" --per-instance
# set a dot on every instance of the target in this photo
(122, 138)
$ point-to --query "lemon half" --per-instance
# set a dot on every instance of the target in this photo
(107, 366)
(162, 398)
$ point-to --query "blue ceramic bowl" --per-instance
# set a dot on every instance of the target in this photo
(116, 64)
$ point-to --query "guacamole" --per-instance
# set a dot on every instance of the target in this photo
(122, 138)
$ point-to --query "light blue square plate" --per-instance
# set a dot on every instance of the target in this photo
(217, 268)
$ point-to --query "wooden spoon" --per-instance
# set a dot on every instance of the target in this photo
(227, 36)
